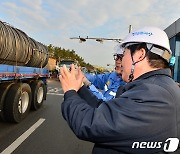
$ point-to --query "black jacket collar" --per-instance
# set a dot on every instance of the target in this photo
(130, 85)
(166, 72)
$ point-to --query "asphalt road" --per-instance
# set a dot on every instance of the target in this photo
(43, 131)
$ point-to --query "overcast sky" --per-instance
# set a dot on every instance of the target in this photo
(55, 21)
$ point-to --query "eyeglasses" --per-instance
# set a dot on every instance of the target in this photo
(118, 56)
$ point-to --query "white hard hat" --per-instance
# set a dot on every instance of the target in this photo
(118, 49)
(150, 35)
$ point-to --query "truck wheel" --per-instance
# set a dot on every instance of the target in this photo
(3, 91)
(17, 102)
(38, 94)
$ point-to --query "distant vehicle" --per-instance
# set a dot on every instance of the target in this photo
(84, 69)
(67, 63)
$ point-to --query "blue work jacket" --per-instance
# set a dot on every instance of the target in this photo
(108, 83)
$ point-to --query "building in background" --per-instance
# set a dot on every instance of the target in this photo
(173, 32)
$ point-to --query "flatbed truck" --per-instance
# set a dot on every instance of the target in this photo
(23, 77)
(21, 88)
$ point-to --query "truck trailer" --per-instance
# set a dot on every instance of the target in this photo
(23, 78)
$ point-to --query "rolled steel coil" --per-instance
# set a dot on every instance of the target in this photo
(17, 48)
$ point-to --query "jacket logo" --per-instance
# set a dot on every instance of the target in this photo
(108, 83)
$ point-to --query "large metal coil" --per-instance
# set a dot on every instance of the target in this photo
(17, 48)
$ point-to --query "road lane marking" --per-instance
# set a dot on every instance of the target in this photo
(55, 90)
(55, 94)
(24, 136)
(51, 90)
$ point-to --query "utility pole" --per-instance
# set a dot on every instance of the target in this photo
(130, 28)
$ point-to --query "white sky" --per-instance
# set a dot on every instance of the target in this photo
(55, 21)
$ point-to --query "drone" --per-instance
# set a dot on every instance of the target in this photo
(100, 40)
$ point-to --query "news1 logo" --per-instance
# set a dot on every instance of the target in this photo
(170, 145)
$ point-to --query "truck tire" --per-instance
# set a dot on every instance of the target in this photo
(17, 102)
(38, 94)
(3, 91)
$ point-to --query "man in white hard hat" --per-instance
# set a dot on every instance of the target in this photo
(107, 82)
(145, 116)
